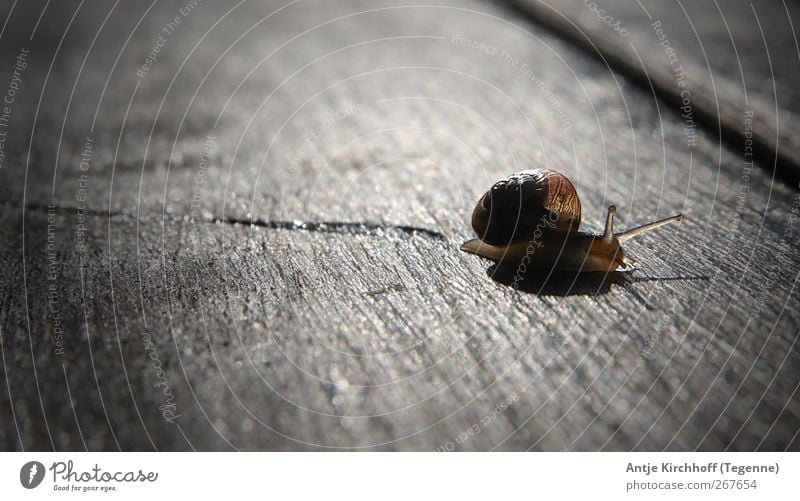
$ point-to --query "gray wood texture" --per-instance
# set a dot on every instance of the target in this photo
(714, 60)
(357, 136)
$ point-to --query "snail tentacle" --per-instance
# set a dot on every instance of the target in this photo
(628, 234)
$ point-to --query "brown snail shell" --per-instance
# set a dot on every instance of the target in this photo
(511, 210)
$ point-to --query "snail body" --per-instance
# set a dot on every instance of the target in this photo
(532, 218)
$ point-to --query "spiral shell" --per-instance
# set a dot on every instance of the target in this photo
(514, 207)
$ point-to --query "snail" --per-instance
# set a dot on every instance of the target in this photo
(532, 218)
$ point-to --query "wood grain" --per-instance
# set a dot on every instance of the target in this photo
(357, 136)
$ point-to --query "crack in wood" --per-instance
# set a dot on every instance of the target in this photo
(369, 228)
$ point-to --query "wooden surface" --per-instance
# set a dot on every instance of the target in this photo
(357, 136)
(727, 59)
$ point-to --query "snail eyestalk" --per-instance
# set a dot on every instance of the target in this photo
(609, 233)
(627, 235)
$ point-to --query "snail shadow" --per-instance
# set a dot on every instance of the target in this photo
(569, 283)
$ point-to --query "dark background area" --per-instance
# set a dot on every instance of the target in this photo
(263, 239)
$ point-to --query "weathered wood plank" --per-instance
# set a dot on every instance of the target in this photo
(714, 62)
(281, 337)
